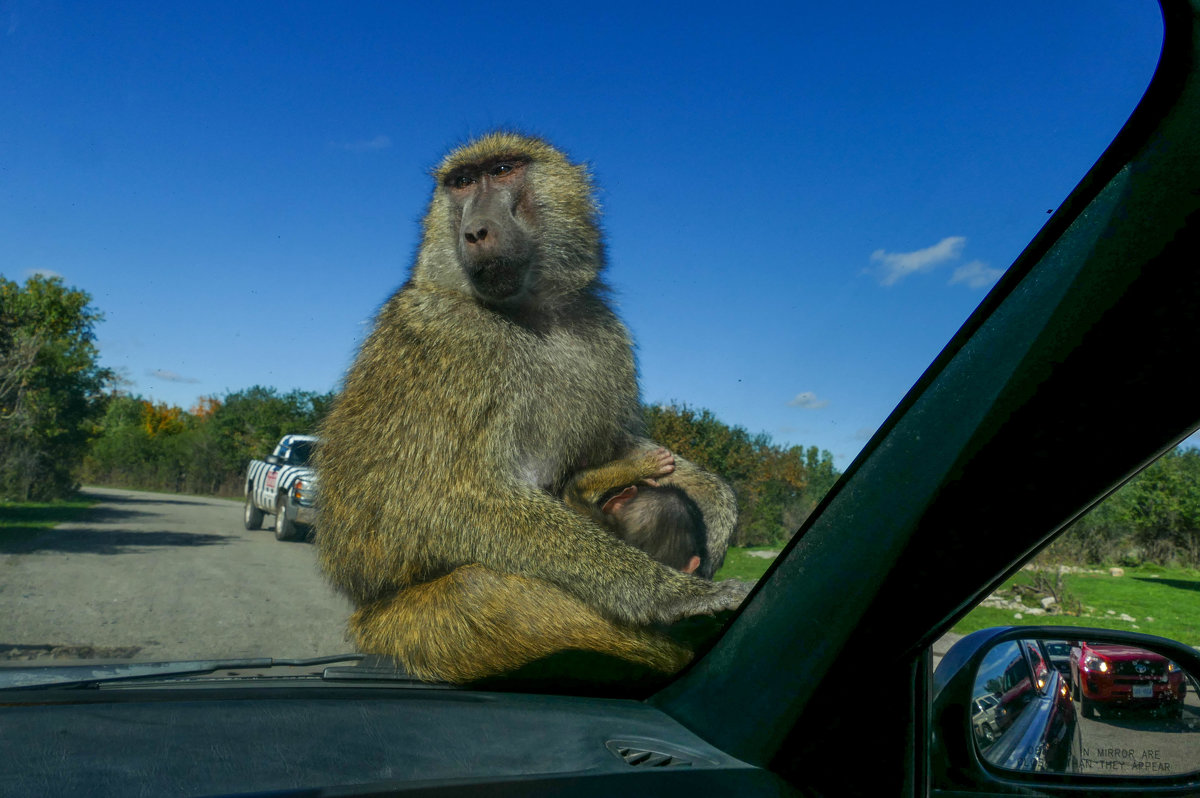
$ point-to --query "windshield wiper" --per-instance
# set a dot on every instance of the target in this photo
(29, 677)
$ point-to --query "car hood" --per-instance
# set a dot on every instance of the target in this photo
(1123, 653)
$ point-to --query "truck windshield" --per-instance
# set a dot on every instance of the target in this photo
(301, 452)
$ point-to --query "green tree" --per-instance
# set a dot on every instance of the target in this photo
(1161, 508)
(249, 423)
(51, 386)
(141, 444)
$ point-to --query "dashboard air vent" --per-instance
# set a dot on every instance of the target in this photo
(640, 755)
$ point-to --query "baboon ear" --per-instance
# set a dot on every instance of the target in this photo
(618, 501)
(692, 565)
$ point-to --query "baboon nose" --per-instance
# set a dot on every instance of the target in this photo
(476, 236)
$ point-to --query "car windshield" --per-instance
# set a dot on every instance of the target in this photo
(170, 177)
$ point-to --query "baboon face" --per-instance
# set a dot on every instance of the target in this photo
(512, 223)
(495, 223)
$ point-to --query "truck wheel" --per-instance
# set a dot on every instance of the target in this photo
(253, 516)
(285, 528)
(1089, 708)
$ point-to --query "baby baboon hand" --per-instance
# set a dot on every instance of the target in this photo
(656, 463)
(727, 594)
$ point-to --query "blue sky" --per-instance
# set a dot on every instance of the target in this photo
(802, 201)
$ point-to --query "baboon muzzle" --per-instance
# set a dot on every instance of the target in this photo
(495, 254)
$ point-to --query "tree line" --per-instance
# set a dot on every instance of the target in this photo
(205, 449)
(62, 422)
(144, 444)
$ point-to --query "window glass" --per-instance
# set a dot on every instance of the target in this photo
(800, 206)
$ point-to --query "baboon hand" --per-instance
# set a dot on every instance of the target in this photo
(656, 463)
(727, 594)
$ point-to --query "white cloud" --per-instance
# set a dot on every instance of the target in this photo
(808, 401)
(380, 142)
(170, 376)
(976, 274)
(895, 266)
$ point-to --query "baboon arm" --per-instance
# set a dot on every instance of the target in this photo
(533, 534)
(586, 487)
(714, 497)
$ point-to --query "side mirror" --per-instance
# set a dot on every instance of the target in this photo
(272, 459)
(1013, 706)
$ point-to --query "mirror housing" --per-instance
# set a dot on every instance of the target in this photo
(272, 460)
(962, 759)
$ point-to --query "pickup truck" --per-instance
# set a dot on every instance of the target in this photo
(283, 485)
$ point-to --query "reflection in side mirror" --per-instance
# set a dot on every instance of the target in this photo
(1082, 707)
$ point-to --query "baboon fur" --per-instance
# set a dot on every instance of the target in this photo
(471, 403)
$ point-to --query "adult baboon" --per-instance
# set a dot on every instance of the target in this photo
(491, 376)
(626, 498)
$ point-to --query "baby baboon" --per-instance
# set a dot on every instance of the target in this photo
(625, 497)
(495, 373)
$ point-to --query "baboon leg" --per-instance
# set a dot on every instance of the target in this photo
(475, 622)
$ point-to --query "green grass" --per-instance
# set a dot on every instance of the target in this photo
(20, 521)
(1162, 601)
(739, 564)
(1169, 596)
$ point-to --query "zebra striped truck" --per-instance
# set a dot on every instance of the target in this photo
(283, 485)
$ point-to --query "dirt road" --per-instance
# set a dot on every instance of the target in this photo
(161, 576)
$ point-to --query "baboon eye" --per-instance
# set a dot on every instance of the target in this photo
(500, 169)
(462, 181)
